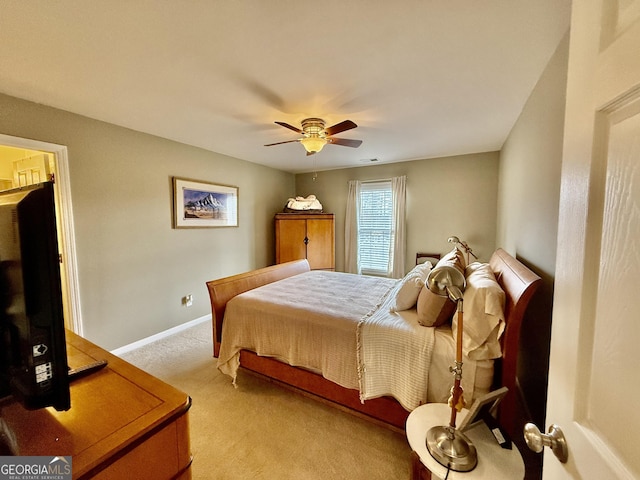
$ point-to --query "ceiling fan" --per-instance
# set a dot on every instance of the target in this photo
(315, 136)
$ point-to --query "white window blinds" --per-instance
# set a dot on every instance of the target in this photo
(375, 227)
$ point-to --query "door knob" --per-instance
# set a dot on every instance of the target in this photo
(537, 440)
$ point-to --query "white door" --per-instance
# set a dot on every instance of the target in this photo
(594, 375)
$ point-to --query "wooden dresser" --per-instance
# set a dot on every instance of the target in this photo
(310, 236)
(123, 422)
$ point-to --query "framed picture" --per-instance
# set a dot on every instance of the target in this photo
(482, 407)
(202, 204)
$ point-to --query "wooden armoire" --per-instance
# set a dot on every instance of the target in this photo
(310, 236)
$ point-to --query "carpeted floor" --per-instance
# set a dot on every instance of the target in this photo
(262, 431)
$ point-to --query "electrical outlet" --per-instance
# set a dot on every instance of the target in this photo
(187, 300)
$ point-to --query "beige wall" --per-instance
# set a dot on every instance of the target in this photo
(445, 196)
(133, 267)
(530, 170)
(528, 203)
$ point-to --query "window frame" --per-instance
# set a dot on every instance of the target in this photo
(371, 259)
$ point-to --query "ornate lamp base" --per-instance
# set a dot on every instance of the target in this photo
(452, 448)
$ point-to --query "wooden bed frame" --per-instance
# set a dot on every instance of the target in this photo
(518, 282)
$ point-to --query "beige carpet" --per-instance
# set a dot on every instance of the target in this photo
(262, 431)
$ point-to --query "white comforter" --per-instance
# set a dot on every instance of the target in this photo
(336, 324)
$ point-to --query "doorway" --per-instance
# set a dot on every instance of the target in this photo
(24, 161)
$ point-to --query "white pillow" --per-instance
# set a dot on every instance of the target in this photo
(410, 286)
(483, 318)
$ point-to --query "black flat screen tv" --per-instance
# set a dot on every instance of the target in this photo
(33, 357)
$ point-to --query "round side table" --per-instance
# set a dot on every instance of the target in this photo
(494, 462)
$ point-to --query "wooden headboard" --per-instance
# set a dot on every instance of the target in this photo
(519, 284)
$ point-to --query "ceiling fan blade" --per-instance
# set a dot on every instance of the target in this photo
(340, 127)
(280, 143)
(345, 142)
(310, 153)
(290, 127)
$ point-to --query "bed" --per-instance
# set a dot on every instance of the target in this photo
(358, 380)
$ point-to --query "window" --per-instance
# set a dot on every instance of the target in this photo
(375, 227)
(374, 233)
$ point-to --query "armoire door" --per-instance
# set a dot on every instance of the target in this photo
(320, 246)
(290, 240)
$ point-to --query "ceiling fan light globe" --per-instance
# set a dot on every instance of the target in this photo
(313, 144)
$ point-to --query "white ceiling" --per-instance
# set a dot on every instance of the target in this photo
(421, 78)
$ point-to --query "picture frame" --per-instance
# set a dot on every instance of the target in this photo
(198, 204)
(483, 406)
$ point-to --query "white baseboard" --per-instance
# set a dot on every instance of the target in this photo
(159, 336)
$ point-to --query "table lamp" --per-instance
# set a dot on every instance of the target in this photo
(446, 444)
